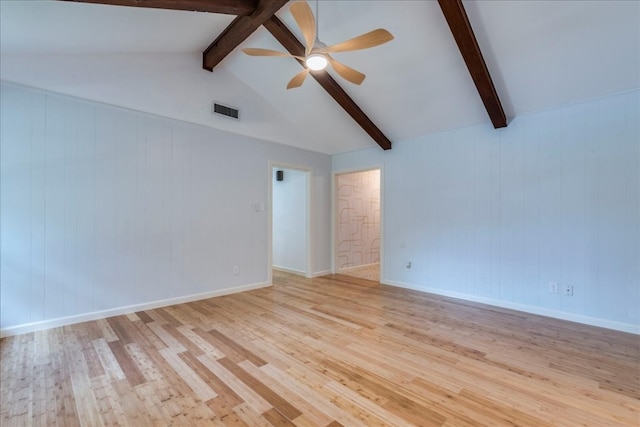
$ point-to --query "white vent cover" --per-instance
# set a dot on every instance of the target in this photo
(225, 110)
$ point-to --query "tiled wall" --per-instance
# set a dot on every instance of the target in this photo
(358, 219)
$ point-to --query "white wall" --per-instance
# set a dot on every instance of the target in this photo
(104, 208)
(495, 215)
(289, 208)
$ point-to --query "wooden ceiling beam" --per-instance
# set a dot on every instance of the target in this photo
(289, 41)
(227, 7)
(460, 26)
(238, 31)
(251, 15)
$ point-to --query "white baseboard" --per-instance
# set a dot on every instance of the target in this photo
(290, 270)
(320, 273)
(302, 273)
(63, 321)
(578, 318)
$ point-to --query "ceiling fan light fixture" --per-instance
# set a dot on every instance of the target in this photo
(317, 55)
(316, 61)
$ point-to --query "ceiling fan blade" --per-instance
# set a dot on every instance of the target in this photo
(365, 41)
(304, 18)
(298, 79)
(347, 73)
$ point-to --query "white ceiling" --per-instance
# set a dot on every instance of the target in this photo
(541, 55)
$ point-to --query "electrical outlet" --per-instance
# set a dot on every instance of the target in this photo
(553, 287)
(568, 290)
(409, 265)
(236, 270)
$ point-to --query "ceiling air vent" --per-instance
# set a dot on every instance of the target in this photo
(226, 111)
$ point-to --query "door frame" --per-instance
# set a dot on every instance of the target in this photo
(308, 237)
(334, 213)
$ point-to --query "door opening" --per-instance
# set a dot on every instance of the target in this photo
(290, 220)
(357, 224)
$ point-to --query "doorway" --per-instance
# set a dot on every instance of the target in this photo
(290, 220)
(357, 224)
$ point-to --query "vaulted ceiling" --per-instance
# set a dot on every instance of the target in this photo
(539, 55)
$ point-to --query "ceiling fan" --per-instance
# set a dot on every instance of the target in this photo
(317, 54)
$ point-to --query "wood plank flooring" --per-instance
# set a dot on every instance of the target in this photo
(331, 351)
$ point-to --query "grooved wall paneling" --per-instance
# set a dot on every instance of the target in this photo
(103, 208)
(495, 215)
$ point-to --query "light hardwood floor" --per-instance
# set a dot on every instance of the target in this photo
(369, 272)
(328, 351)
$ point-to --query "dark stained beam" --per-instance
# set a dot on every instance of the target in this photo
(458, 21)
(238, 31)
(228, 7)
(289, 41)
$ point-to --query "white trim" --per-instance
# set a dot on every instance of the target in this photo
(63, 321)
(320, 273)
(382, 217)
(302, 273)
(579, 318)
(308, 221)
(334, 195)
(270, 222)
(290, 270)
(334, 231)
